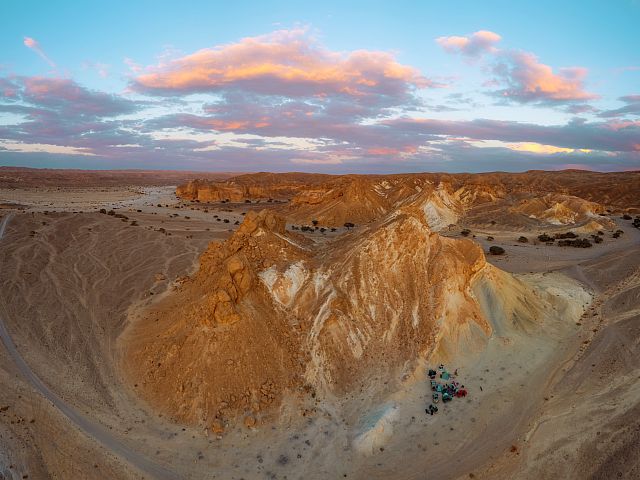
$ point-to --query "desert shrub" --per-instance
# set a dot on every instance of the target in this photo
(465, 232)
(111, 212)
(306, 228)
(333, 229)
(134, 223)
(322, 230)
(565, 235)
(314, 222)
(349, 225)
(523, 239)
(495, 250)
(226, 220)
(247, 201)
(490, 238)
(577, 243)
(102, 210)
(545, 238)
(626, 217)
(617, 233)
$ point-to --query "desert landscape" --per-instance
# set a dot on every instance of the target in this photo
(285, 240)
(283, 325)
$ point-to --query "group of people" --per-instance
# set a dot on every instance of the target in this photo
(447, 390)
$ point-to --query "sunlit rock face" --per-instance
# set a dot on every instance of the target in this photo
(269, 315)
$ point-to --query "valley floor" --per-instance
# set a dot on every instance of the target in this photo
(561, 402)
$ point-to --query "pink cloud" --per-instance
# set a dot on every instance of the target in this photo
(386, 151)
(133, 66)
(529, 80)
(474, 45)
(35, 46)
(8, 89)
(525, 78)
(285, 62)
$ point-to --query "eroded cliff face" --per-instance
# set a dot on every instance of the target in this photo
(335, 200)
(271, 315)
(281, 186)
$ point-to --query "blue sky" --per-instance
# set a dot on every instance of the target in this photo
(363, 87)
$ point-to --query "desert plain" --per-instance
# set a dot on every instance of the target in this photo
(183, 326)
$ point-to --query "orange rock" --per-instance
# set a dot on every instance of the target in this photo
(217, 427)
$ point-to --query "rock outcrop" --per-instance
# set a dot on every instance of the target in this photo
(558, 209)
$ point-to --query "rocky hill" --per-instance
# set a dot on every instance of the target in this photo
(270, 316)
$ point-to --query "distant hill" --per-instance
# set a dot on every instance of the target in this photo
(21, 177)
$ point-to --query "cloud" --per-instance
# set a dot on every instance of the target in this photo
(133, 66)
(631, 108)
(66, 97)
(539, 148)
(284, 63)
(578, 108)
(524, 79)
(474, 45)
(270, 132)
(58, 111)
(38, 147)
(576, 135)
(528, 80)
(8, 89)
(35, 46)
(282, 101)
(101, 69)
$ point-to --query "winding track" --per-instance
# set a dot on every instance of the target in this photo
(89, 427)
